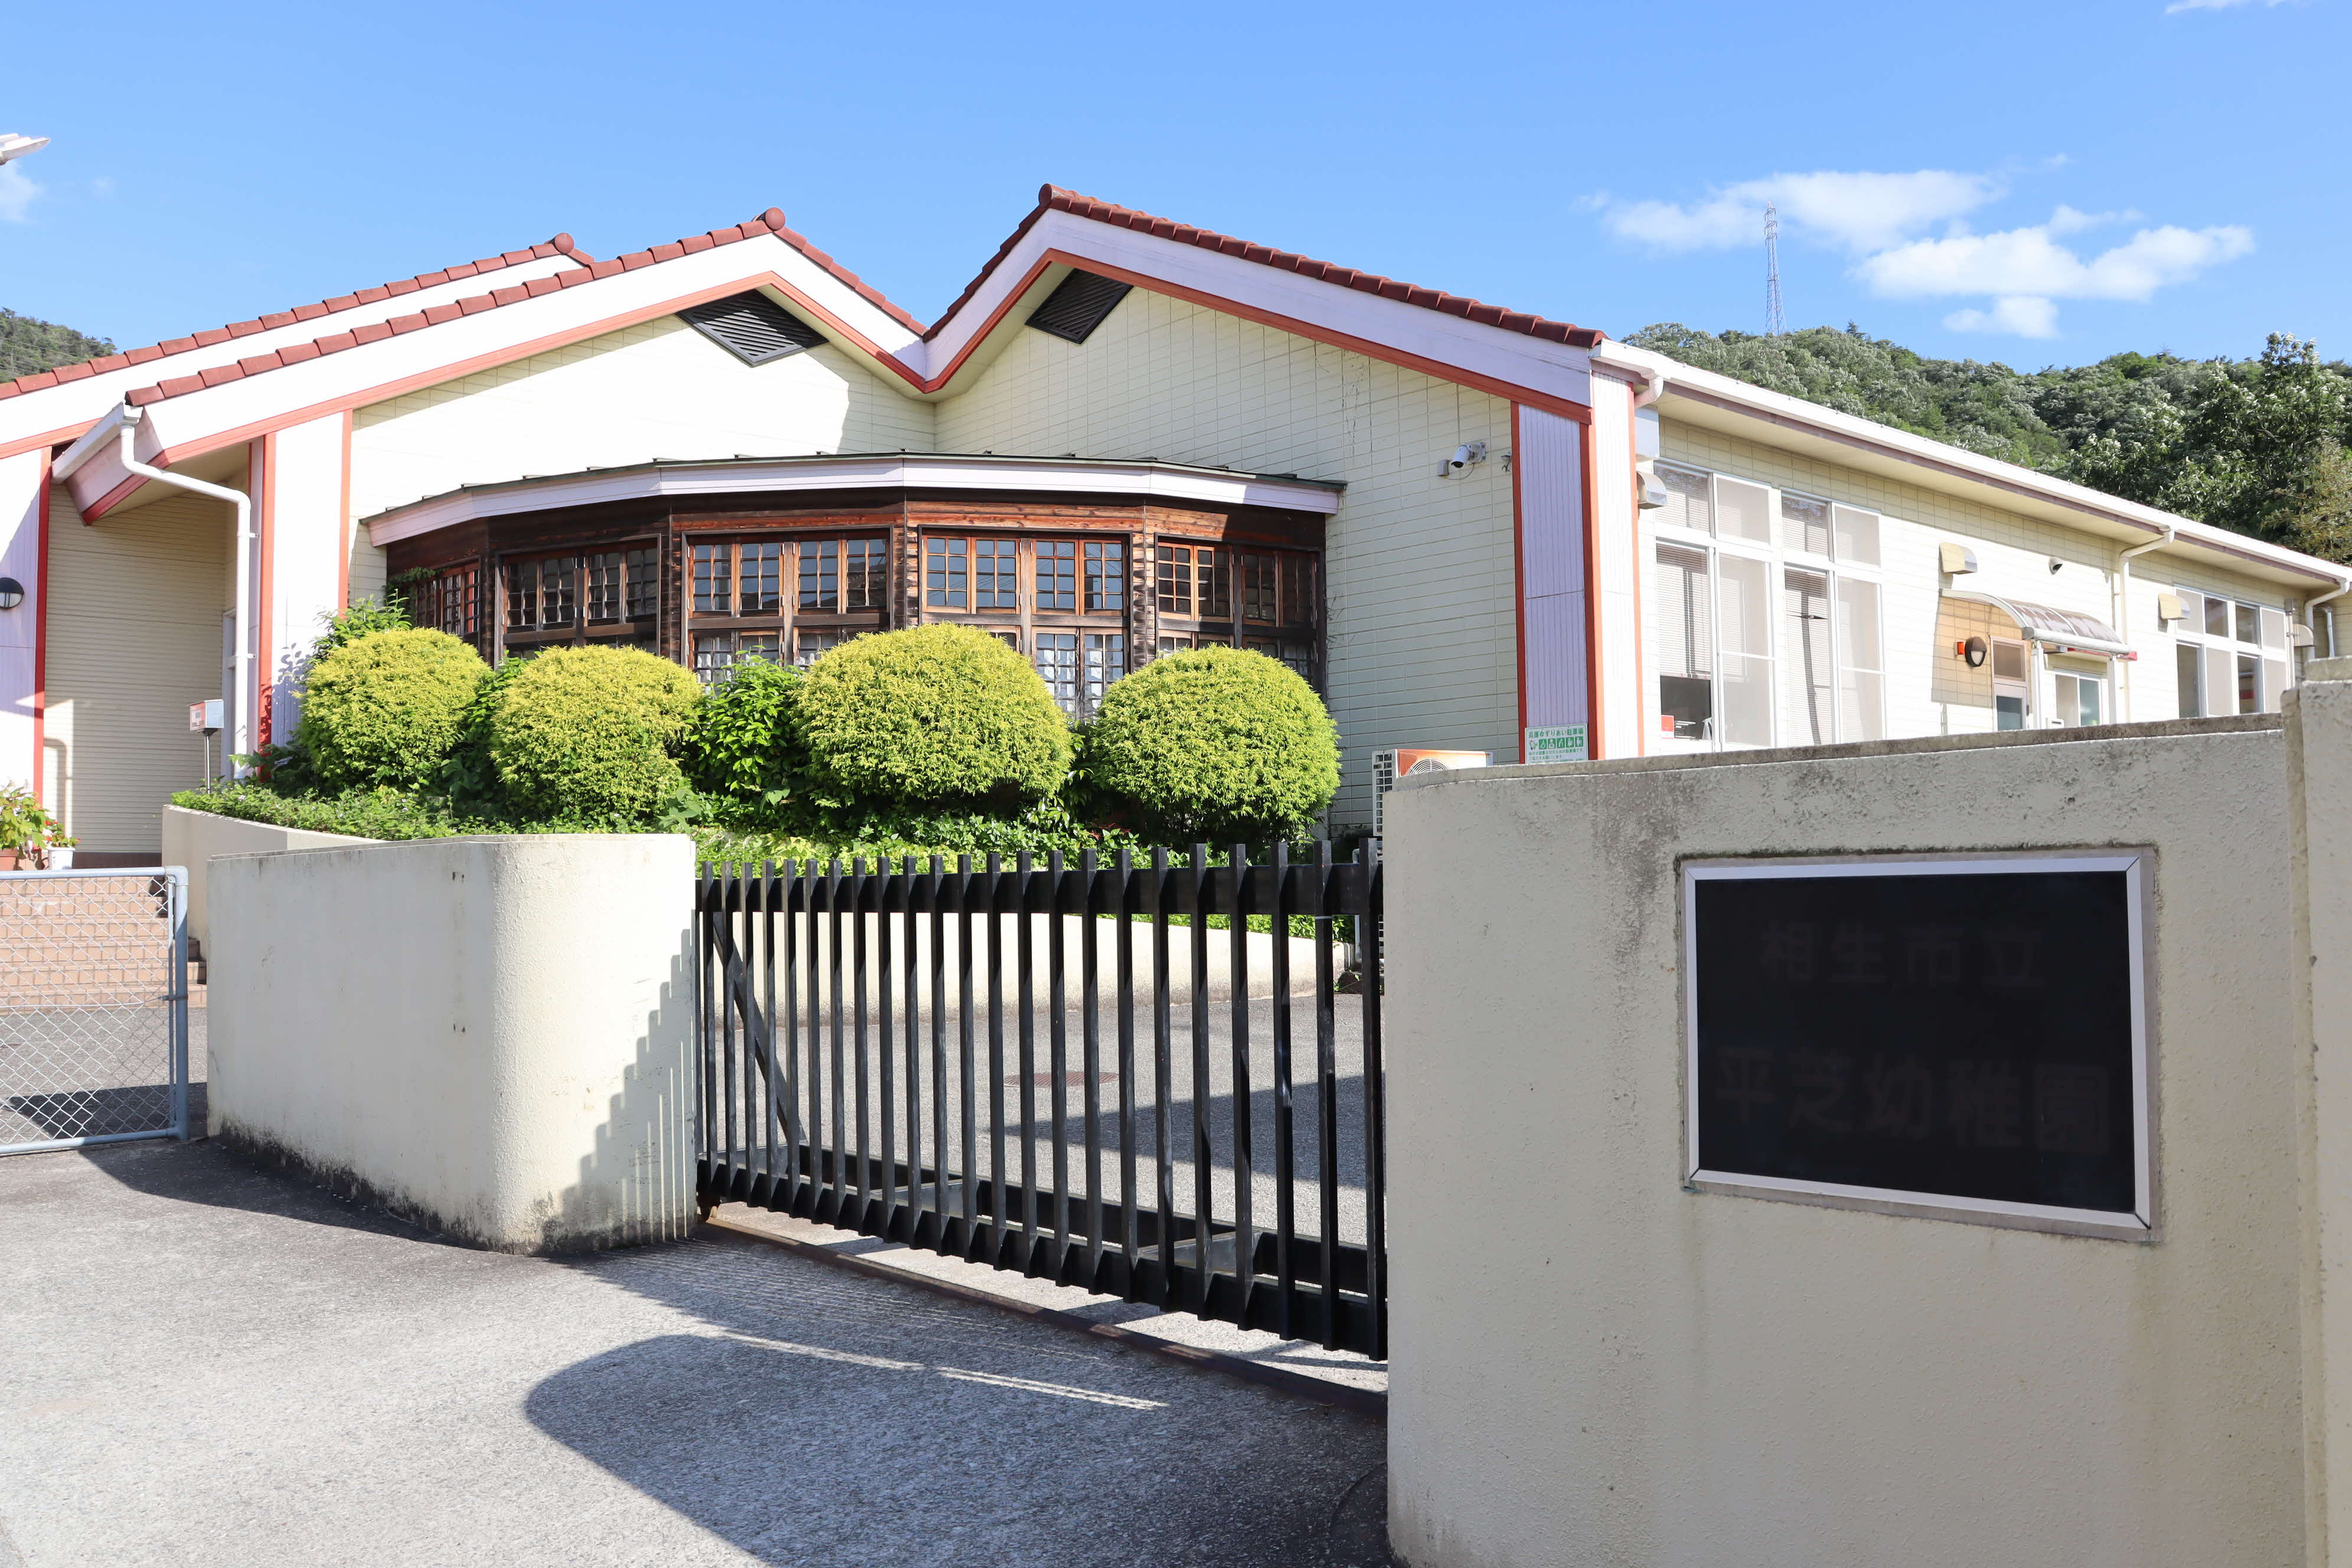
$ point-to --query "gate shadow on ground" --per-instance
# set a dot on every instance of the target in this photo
(823, 1418)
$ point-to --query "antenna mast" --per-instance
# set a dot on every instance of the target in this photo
(1773, 325)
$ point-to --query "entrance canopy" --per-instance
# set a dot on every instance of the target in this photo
(2061, 631)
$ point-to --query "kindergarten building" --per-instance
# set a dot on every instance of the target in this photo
(1470, 528)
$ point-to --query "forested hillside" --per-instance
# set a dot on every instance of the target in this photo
(27, 345)
(2256, 445)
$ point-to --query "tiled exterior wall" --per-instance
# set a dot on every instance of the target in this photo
(1930, 691)
(659, 389)
(1422, 626)
(134, 637)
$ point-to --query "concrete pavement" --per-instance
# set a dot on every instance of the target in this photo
(205, 1362)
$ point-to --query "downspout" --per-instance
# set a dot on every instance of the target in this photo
(2310, 604)
(245, 700)
(2123, 612)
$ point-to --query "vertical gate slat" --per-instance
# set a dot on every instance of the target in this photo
(710, 1096)
(886, 1065)
(1163, 1047)
(964, 1028)
(1057, 1035)
(1368, 958)
(837, 1196)
(912, 1040)
(1125, 927)
(1090, 1039)
(994, 887)
(939, 1062)
(1204, 1159)
(1286, 1163)
(797, 1151)
(730, 902)
(1027, 948)
(1244, 1176)
(1326, 1099)
(770, 1086)
(865, 1183)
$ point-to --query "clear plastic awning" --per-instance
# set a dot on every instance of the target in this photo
(2063, 630)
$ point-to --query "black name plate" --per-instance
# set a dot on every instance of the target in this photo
(1963, 1033)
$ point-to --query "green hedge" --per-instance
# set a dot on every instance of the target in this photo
(743, 746)
(942, 715)
(386, 708)
(587, 734)
(1217, 744)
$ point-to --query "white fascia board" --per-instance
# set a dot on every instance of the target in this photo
(194, 421)
(73, 402)
(1704, 397)
(1556, 370)
(910, 471)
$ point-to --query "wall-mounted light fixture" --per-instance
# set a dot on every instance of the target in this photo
(11, 592)
(1974, 651)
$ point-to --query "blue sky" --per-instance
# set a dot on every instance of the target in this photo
(2034, 182)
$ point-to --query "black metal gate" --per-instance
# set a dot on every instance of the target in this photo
(860, 1028)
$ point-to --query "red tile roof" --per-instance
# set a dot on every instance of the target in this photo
(1053, 198)
(560, 246)
(769, 222)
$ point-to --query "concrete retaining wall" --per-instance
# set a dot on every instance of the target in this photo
(1595, 1362)
(491, 1035)
(192, 838)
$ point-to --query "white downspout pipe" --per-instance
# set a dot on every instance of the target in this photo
(2123, 611)
(2310, 604)
(246, 698)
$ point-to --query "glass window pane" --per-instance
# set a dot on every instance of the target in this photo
(1805, 524)
(1743, 511)
(2275, 629)
(761, 578)
(820, 572)
(1055, 657)
(2009, 712)
(2088, 693)
(863, 573)
(1683, 614)
(1257, 588)
(1297, 591)
(645, 583)
(1106, 575)
(945, 567)
(2221, 682)
(1857, 536)
(2008, 661)
(2188, 666)
(2273, 685)
(2250, 623)
(1687, 502)
(1806, 717)
(558, 592)
(1057, 574)
(1862, 708)
(1175, 579)
(1106, 662)
(808, 647)
(2192, 608)
(1212, 582)
(713, 593)
(2217, 617)
(1744, 612)
(2249, 684)
(995, 574)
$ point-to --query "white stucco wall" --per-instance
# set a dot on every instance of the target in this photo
(491, 1035)
(1595, 1364)
(135, 608)
(1928, 690)
(1423, 625)
(659, 389)
(192, 838)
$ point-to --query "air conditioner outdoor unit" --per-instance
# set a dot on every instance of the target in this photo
(1392, 765)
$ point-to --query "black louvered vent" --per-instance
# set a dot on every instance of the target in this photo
(1077, 306)
(753, 327)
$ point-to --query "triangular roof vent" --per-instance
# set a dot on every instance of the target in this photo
(752, 327)
(1077, 306)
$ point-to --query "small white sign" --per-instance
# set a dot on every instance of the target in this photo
(1554, 743)
(204, 716)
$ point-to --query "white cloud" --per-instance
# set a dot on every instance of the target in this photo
(17, 193)
(2213, 5)
(2025, 315)
(1858, 211)
(2068, 220)
(2030, 262)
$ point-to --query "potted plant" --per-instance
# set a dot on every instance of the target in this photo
(57, 847)
(25, 828)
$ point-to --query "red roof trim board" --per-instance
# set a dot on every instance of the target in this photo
(562, 245)
(769, 221)
(1053, 198)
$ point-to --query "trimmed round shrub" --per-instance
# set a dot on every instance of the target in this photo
(386, 708)
(933, 715)
(744, 744)
(1218, 744)
(589, 733)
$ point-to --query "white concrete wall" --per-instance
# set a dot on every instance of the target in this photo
(1930, 691)
(1422, 624)
(659, 389)
(303, 516)
(135, 612)
(1595, 1363)
(192, 838)
(491, 1035)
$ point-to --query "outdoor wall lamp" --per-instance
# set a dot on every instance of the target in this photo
(11, 592)
(1974, 651)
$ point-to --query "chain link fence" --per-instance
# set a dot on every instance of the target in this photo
(94, 1007)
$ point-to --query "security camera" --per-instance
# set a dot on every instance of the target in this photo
(1455, 467)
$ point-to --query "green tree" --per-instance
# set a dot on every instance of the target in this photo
(28, 346)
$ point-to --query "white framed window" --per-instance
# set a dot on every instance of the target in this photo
(2229, 656)
(1766, 616)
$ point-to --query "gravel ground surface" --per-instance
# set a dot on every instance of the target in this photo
(208, 1362)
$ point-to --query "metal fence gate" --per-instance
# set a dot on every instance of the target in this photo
(1063, 1071)
(94, 1007)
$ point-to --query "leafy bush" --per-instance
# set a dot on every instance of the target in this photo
(743, 745)
(1218, 744)
(357, 620)
(361, 814)
(386, 708)
(940, 716)
(469, 778)
(587, 734)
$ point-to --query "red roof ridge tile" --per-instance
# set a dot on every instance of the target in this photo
(1055, 198)
(57, 375)
(769, 222)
